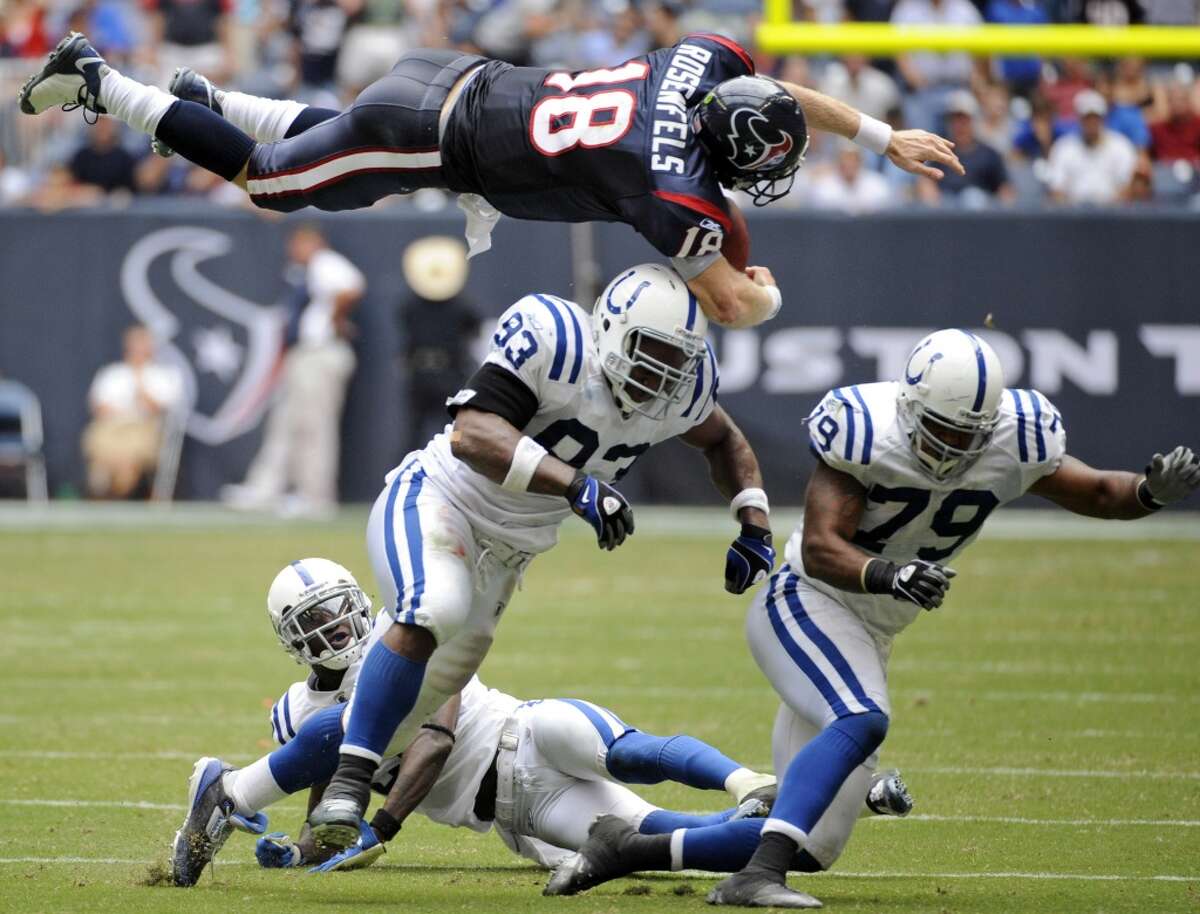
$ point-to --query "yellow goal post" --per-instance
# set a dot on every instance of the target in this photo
(779, 34)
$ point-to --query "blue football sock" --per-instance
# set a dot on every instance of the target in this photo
(312, 757)
(642, 758)
(384, 695)
(721, 848)
(816, 773)
(666, 820)
(205, 138)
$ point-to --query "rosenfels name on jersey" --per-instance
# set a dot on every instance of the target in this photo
(670, 127)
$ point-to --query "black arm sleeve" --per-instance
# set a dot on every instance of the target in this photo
(495, 390)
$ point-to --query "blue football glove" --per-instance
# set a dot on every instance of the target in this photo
(749, 560)
(276, 851)
(252, 825)
(603, 507)
(362, 853)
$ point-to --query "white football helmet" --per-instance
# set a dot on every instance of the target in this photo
(650, 332)
(319, 612)
(949, 401)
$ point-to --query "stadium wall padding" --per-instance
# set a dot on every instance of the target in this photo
(1100, 311)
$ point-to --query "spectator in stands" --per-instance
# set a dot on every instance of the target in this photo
(15, 183)
(930, 77)
(1035, 137)
(1063, 81)
(854, 81)
(848, 186)
(319, 27)
(1124, 117)
(23, 29)
(191, 33)
(662, 22)
(128, 400)
(1172, 12)
(1178, 137)
(986, 179)
(1094, 165)
(438, 325)
(102, 161)
(301, 443)
(995, 126)
(1102, 12)
(1021, 73)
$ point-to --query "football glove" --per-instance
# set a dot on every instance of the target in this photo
(362, 853)
(603, 507)
(1172, 478)
(918, 581)
(749, 560)
(276, 851)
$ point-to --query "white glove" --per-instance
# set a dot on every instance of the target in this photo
(1174, 477)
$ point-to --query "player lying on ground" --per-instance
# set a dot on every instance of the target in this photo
(907, 473)
(539, 771)
(649, 143)
(554, 416)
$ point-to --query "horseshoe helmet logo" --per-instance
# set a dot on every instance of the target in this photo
(228, 383)
(755, 144)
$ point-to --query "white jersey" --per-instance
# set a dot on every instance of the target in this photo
(547, 343)
(856, 430)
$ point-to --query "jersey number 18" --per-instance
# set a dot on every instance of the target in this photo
(561, 123)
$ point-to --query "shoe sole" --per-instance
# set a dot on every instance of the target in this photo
(335, 835)
(52, 58)
(195, 782)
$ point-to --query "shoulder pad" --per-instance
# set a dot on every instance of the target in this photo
(1040, 434)
(841, 430)
(541, 334)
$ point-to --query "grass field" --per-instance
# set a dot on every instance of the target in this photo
(1047, 719)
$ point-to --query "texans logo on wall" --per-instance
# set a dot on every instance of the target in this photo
(226, 346)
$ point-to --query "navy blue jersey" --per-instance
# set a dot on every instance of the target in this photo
(610, 145)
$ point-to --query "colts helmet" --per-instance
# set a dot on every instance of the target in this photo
(949, 401)
(755, 135)
(320, 614)
(649, 330)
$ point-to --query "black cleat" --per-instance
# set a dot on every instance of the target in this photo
(70, 79)
(190, 86)
(335, 820)
(757, 803)
(755, 890)
(603, 857)
(889, 795)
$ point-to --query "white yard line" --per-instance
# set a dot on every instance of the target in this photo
(1019, 820)
(1059, 772)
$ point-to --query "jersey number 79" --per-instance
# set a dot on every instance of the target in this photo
(561, 123)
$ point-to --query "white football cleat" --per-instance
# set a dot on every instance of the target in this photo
(70, 79)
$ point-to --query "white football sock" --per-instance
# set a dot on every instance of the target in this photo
(140, 106)
(265, 119)
(252, 788)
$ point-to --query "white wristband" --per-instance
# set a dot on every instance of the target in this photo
(874, 135)
(749, 498)
(776, 301)
(525, 460)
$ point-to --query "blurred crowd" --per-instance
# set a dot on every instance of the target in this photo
(1030, 131)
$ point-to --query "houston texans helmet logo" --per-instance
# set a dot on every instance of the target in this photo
(755, 144)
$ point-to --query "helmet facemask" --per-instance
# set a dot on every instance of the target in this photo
(946, 448)
(652, 371)
(328, 628)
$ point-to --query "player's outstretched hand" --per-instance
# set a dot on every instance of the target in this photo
(362, 853)
(603, 507)
(1174, 477)
(912, 149)
(276, 851)
(749, 560)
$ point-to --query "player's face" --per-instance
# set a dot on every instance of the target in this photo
(647, 377)
(321, 623)
(956, 438)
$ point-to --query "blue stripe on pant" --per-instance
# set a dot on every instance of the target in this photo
(597, 720)
(408, 597)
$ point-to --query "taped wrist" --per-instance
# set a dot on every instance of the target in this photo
(385, 825)
(878, 575)
(526, 457)
(755, 532)
(1145, 499)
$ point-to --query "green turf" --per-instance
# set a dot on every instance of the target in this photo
(1052, 658)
